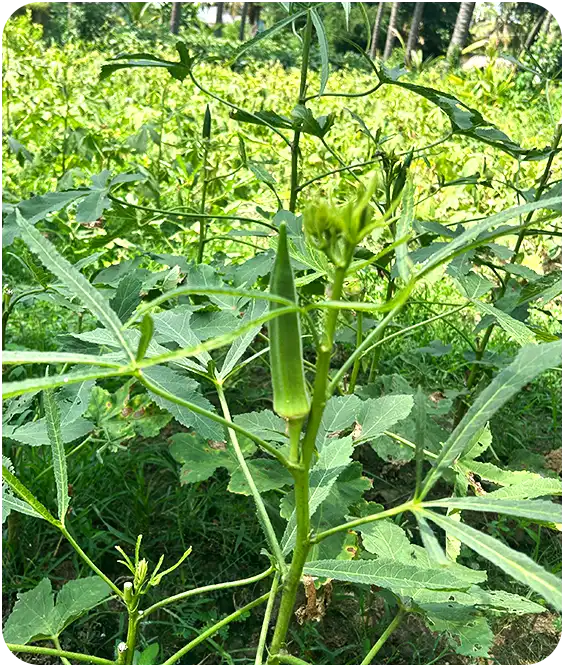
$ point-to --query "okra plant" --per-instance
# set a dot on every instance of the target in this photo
(169, 333)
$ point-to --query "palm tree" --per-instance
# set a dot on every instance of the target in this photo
(414, 31)
(531, 38)
(461, 31)
(391, 30)
(219, 19)
(376, 29)
(175, 17)
(243, 20)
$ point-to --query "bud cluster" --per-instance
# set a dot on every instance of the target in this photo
(336, 230)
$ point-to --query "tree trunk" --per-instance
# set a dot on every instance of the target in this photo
(531, 38)
(546, 24)
(219, 19)
(376, 28)
(391, 31)
(414, 31)
(175, 17)
(461, 31)
(243, 21)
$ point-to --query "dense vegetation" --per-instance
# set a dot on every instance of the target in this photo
(292, 315)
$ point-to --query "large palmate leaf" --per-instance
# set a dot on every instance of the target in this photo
(53, 419)
(37, 208)
(513, 327)
(36, 616)
(516, 484)
(264, 424)
(239, 346)
(386, 573)
(334, 458)
(468, 631)
(514, 563)
(536, 510)
(323, 48)
(23, 494)
(72, 279)
(186, 389)
(465, 120)
(10, 501)
(200, 460)
(378, 415)
(71, 402)
(345, 494)
(472, 236)
(339, 414)
(530, 362)
(389, 541)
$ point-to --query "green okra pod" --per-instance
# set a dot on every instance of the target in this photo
(291, 399)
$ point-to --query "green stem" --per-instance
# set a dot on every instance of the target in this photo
(266, 621)
(356, 366)
(294, 428)
(358, 522)
(301, 474)
(160, 142)
(286, 659)
(44, 650)
(207, 589)
(407, 330)
(307, 38)
(369, 341)
(320, 393)
(132, 626)
(90, 563)
(202, 223)
(215, 628)
(300, 552)
(58, 646)
(192, 216)
(384, 637)
(260, 507)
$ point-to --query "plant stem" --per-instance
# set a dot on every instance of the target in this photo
(207, 589)
(294, 429)
(211, 415)
(294, 188)
(358, 522)
(260, 508)
(301, 474)
(131, 633)
(202, 223)
(44, 650)
(384, 637)
(324, 354)
(370, 341)
(266, 621)
(160, 142)
(300, 552)
(58, 646)
(190, 215)
(90, 563)
(356, 366)
(215, 628)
